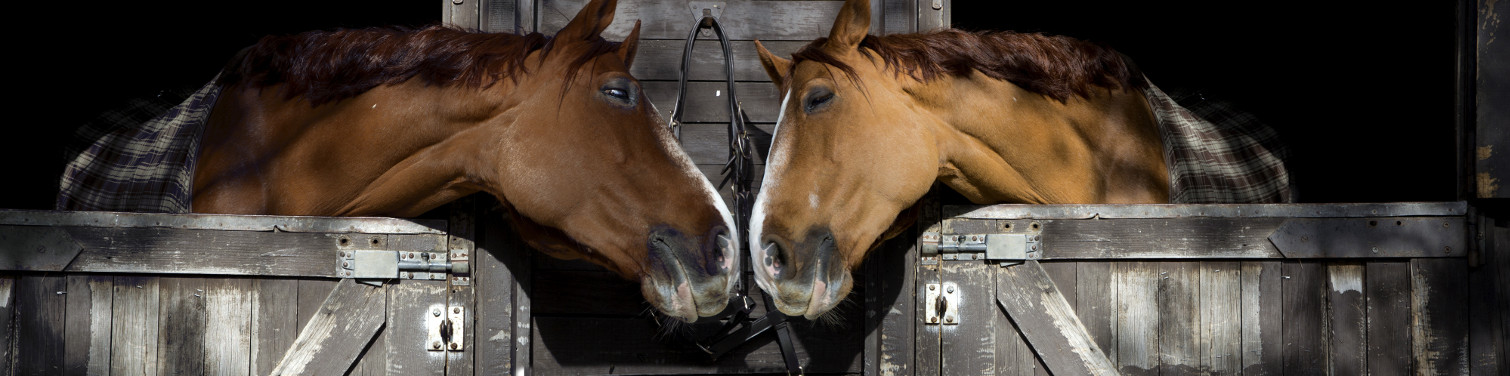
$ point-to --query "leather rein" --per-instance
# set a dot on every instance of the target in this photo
(740, 327)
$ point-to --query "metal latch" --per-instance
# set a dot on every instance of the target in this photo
(381, 264)
(941, 302)
(445, 327)
(1007, 248)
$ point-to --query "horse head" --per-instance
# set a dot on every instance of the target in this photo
(868, 124)
(555, 128)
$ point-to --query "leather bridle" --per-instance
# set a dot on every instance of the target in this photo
(740, 327)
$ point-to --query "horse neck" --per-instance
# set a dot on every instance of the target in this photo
(1003, 143)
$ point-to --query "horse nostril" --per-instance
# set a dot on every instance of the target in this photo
(773, 256)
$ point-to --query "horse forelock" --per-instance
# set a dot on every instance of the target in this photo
(325, 66)
(1053, 66)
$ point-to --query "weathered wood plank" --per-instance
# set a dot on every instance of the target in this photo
(1013, 356)
(1349, 320)
(1136, 323)
(40, 306)
(7, 323)
(1093, 303)
(708, 144)
(672, 19)
(498, 16)
(134, 330)
(462, 243)
(351, 314)
(660, 60)
(1490, 303)
(966, 340)
(464, 14)
(220, 222)
(1439, 307)
(931, 18)
(1157, 238)
(1263, 318)
(157, 250)
(276, 324)
(181, 326)
(312, 295)
(373, 361)
(228, 334)
(413, 302)
(1372, 237)
(706, 101)
(1388, 292)
(900, 16)
(36, 248)
(1306, 333)
(1180, 334)
(494, 283)
(926, 337)
(894, 268)
(1221, 318)
(1048, 321)
(88, 345)
(1195, 211)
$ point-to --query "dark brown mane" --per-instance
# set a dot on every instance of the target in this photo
(325, 66)
(1054, 66)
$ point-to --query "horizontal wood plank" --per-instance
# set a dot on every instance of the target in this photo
(673, 19)
(661, 59)
(707, 101)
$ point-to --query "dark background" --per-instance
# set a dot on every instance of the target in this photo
(1362, 93)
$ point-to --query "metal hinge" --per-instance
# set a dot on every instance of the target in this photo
(445, 328)
(941, 302)
(382, 264)
(1006, 248)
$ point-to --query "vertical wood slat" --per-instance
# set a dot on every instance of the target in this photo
(1389, 328)
(1048, 321)
(1489, 306)
(523, 315)
(134, 330)
(965, 346)
(351, 313)
(181, 326)
(89, 314)
(494, 285)
(1013, 356)
(1346, 304)
(228, 316)
(1179, 318)
(406, 333)
(462, 241)
(926, 346)
(1221, 317)
(1439, 310)
(1306, 334)
(39, 316)
(891, 271)
(1093, 295)
(1263, 318)
(1136, 322)
(276, 324)
(7, 323)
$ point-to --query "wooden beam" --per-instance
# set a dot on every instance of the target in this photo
(352, 314)
(1048, 321)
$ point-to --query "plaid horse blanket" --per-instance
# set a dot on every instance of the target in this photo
(1217, 154)
(139, 158)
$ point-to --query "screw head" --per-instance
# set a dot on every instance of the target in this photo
(933, 320)
(949, 319)
(456, 310)
(950, 289)
(435, 345)
(435, 312)
(931, 287)
(453, 345)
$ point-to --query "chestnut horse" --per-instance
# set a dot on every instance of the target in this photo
(393, 122)
(869, 123)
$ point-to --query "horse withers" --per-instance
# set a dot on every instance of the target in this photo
(396, 122)
(869, 123)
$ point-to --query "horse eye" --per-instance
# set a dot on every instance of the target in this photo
(617, 93)
(816, 99)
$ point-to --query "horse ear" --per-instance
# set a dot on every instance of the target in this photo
(851, 26)
(631, 43)
(590, 21)
(775, 66)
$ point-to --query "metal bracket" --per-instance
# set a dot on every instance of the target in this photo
(384, 264)
(1006, 248)
(702, 9)
(445, 328)
(941, 302)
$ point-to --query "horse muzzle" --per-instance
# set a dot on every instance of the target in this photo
(806, 279)
(689, 277)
